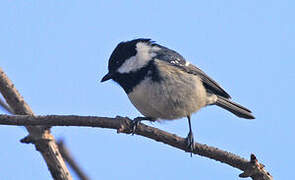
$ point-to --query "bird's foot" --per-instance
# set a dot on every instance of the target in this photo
(136, 121)
(190, 142)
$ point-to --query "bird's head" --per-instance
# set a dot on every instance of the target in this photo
(130, 56)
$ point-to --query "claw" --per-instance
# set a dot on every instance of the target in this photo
(137, 120)
(190, 142)
(134, 124)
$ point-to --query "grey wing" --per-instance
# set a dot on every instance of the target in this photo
(175, 59)
(210, 84)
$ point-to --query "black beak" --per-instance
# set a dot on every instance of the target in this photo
(108, 76)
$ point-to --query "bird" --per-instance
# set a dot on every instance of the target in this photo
(163, 85)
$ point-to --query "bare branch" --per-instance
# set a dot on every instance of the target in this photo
(70, 160)
(6, 107)
(251, 168)
(39, 135)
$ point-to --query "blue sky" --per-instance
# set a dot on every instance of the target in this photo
(57, 51)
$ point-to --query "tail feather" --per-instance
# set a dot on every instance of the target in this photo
(235, 108)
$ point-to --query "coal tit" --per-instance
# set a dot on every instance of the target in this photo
(161, 84)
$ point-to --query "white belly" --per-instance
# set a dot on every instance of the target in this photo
(164, 102)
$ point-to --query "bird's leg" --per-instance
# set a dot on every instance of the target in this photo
(190, 137)
(137, 120)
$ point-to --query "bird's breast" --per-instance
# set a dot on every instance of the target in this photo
(177, 95)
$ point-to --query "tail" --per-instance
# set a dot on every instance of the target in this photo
(235, 108)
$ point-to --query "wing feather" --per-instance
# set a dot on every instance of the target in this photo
(175, 59)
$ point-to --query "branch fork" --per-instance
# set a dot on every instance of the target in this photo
(256, 170)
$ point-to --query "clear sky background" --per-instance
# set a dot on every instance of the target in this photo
(57, 51)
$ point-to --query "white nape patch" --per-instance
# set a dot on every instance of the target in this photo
(187, 63)
(144, 54)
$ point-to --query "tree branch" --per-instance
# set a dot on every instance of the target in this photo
(251, 168)
(39, 135)
(71, 161)
(6, 107)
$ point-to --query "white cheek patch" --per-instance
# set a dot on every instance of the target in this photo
(144, 54)
(128, 65)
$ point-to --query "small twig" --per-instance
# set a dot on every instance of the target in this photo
(70, 160)
(38, 135)
(6, 107)
(251, 168)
